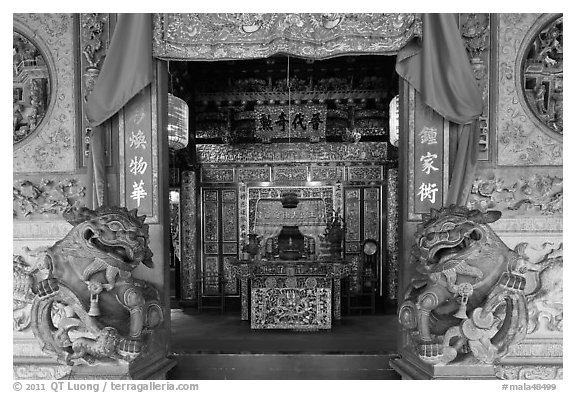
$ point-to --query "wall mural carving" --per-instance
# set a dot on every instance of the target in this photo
(52, 148)
(250, 35)
(521, 142)
(536, 194)
(45, 198)
(85, 304)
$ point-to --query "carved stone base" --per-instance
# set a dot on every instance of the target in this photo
(410, 367)
(152, 367)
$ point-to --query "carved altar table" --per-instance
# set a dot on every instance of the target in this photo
(299, 295)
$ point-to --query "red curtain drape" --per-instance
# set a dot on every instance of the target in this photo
(439, 69)
(127, 69)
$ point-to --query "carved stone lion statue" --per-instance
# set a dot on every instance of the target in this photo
(87, 304)
(466, 301)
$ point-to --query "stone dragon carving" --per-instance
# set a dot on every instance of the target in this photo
(467, 301)
(87, 306)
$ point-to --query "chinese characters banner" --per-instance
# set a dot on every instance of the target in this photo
(138, 154)
(429, 162)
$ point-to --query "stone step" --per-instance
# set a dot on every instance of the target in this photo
(283, 367)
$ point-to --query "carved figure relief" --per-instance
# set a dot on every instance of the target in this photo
(86, 305)
(52, 146)
(30, 87)
(545, 288)
(467, 302)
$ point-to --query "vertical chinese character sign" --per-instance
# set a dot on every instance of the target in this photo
(428, 168)
(428, 161)
(138, 168)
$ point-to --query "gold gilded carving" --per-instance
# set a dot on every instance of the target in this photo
(189, 235)
(392, 236)
(247, 35)
(293, 152)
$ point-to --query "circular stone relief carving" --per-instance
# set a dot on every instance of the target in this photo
(541, 74)
(30, 88)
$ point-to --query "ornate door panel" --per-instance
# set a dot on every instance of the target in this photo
(219, 235)
(362, 214)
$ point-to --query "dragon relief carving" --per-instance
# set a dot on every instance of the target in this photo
(467, 301)
(86, 306)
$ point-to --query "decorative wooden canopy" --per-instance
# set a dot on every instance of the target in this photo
(250, 36)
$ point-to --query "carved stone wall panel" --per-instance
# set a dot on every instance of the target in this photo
(46, 197)
(520, 140)
(52, 148)
(519, 193)
(40, 371)
(530, 372)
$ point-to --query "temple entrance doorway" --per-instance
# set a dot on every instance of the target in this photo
(286, 193)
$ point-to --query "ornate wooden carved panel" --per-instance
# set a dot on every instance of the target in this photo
(253, 174)
(246, 36)
(189, 235)
(292, 152)
(291, 303)
(298, 173)
(392, 234)
(326, 173)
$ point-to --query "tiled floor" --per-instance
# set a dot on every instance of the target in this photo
(212, 332)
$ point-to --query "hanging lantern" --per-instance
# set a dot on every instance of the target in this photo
(177, 123)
